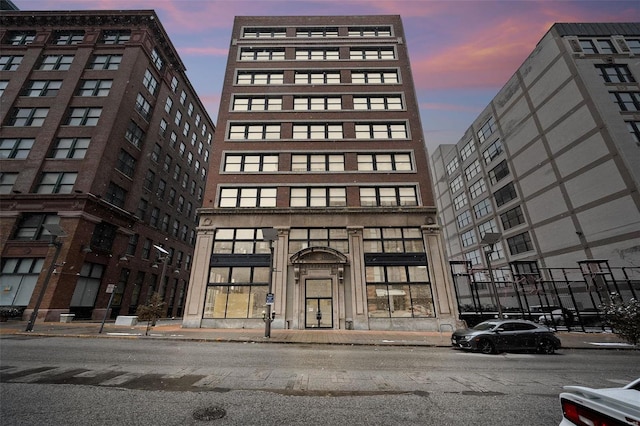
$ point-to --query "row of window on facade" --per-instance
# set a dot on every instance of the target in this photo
(398, 290)
(318, 196)
(20, 275)
(101, 88)
(319, 131)
(375, 240)
(317, 54)
(315, 77)
(606, 46)
(390, 102)
(322, 32)
(317, 162)
(30, 228)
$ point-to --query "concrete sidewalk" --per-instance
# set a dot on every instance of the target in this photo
(172, 329)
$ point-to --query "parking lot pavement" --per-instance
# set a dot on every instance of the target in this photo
(168, 329)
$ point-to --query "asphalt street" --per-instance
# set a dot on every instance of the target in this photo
(61, 380)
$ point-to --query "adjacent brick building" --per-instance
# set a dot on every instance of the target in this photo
(103, 135)
(319, 137)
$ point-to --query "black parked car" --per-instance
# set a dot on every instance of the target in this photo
(505, 335)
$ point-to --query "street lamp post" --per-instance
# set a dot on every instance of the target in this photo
(270, 235)
(56, 231)
(489, 240)
(164, 258)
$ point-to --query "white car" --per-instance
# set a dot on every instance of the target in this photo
(582, 406)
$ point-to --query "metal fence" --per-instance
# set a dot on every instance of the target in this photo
(565, 298)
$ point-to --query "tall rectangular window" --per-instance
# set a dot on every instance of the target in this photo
(634, 130)
(467, 150)
(83, 116)
(388, 196)
(483, 208)
(67, 38)
(42, 88)
(20, 38)
(317, 131)
(472, 170)
(70, 148)
(375, 77)
(318, 197)
(259, 78)
(28, 117)
(95, 87)
(627, 101)
(494, 150)
(505, 194)
(487, 129)
(248, 197)
(254, 131)
(499, 172)
(317, 77)
(317, 103)
(251, 163)
(381, 131)
(143, 107)
(264, 33)
(7, 180)
(385, 162)
(520, 243)
(115, 36)
(317, 162)
(115, 195)
(308, 32)
(105, 62)
(511, 218)
(477, 188)
(372, 53)
(134, 134)
(615, 73)
(126, 163)
(56, 183)
(261, 54)
(257, 103)
(15, 148)
(317, 54)
(377, 103)
(10, 62)
(30, 226)
(150, 82)
(55, 62)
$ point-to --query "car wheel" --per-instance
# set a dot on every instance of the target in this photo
(546, 347)
(486, 347)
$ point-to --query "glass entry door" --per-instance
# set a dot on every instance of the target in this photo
(318, 303)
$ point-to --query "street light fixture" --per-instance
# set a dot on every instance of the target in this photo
(488, 241)
(164, 257)
(270, 235)
(56, 231)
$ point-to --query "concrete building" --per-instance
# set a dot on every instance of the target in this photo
(320, 138)
(553, 162)
(103, 136)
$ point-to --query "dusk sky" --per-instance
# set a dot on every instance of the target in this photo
(462, 52)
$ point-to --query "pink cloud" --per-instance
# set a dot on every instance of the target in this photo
(203, 51)
(447, 107)
(486, 57)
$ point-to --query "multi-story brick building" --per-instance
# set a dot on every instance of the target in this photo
(553, 162)
(319, 137)
(103, 135)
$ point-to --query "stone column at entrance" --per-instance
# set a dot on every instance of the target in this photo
(439, 275)
(199, 278)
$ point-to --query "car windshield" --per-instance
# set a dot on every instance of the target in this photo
(484, 326)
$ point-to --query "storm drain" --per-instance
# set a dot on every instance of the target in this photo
(209, 413)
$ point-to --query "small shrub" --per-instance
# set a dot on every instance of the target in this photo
(151, 311)
(624, 319)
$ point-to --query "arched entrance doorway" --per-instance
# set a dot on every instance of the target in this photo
(319, 278)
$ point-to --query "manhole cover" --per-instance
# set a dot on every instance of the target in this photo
(209, 413)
